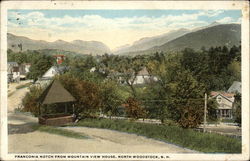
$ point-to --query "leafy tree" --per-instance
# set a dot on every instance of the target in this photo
(111, 98)
(237, 109)
(39, 66)
(86, 93)
(179, 89)
(234, 69)
(80, 68)
(187, 100)
(134, 109)
(30, 103)
(212, 110)
(154, 100)
(120, 68)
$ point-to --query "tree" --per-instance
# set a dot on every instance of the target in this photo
(30, 101)
(130, 69)
(87, 94)
(155, 101)
(178, 91)
(212, 110)
(134, 109)
(237, 109)
(234, 69)
(39, 66)
(186, 105)
(111, 98)
(80, 67)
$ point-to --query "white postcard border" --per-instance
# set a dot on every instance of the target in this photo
(242, 5)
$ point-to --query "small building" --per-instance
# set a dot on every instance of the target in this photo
(235, 87)
(53, 71)
(49, 75)
(56, 105)
(225, 104)
(144, 77)
(59, 59)
(13, 72)
(24, 70)
(93, 69)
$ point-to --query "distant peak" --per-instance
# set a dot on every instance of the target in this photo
(59, 40)
(77, 41)
(215, 23)
(183, 29)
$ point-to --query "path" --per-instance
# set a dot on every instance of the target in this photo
(22, 138)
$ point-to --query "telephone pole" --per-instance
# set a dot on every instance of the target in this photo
(205, 114)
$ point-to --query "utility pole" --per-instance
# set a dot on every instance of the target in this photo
(205, 114)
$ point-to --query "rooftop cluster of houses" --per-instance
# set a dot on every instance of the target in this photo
(53, 71)
(225, 99)
(17, 72)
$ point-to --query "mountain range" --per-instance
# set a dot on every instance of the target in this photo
(149, 42)
(218, 35)
(77, 46)
(214, 34)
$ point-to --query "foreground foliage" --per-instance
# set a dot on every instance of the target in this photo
(30, 102)
(188, 138)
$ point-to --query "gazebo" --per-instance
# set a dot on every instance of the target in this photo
(53, 105)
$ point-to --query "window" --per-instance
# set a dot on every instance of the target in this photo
(219, 99)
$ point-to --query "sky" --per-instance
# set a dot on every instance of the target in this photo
(114, 28)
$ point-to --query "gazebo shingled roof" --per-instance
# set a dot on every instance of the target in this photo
(55, 93)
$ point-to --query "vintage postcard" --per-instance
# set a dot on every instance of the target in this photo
(124, 80)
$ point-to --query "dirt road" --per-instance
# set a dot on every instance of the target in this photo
(22, 138)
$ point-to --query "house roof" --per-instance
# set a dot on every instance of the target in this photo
(228, 96)
(143, 72)
(235, 87)
(55, 93)
(12, 63)
(59, 55)
(57, 69)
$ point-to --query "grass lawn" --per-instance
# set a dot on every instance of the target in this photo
(57, 131)
(24, 85)
(188, 138)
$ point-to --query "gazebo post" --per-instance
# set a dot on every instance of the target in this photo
(39, 110)
(65, 108)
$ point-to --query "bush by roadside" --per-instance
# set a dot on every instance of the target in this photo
(187, 138)
(24, 85)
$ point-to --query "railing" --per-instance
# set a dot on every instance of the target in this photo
(220, 133)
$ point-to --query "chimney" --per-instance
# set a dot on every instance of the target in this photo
(59, 59)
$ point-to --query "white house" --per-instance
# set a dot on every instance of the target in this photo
(50, 73)
(24, 70)
(225, 104)
(144, 77)
(53, 71)
(13, 72)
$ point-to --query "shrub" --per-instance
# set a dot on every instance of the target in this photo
(87, 95)
(134, 109)
(30, 101)
(188, 138)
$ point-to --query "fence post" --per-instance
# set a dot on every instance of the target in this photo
(205, 114)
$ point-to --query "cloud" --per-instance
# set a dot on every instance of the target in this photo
(239, 20)
(97, 22)
(112, 31)
(226, 20)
